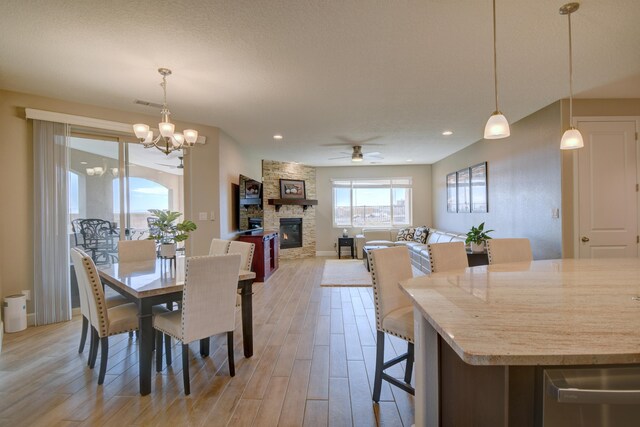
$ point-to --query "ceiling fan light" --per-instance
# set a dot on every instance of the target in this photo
(90, 172)
(141, 130)
(497, 127)
(571, 139)
(356, 158)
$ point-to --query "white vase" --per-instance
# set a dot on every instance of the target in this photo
(477, 248)
(168, 250)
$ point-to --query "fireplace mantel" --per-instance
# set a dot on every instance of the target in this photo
(305, 203)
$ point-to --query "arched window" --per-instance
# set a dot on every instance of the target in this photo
(144, 194)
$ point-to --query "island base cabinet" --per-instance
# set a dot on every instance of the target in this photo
(485, 395)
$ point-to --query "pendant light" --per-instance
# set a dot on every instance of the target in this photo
(497, 126)
(572, 138)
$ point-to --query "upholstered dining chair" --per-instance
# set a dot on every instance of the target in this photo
(219, 247)
(245, 249)
(136, 250)
(394, 312)
(208, 307)
(509, 250)
(447, 256)
(111, 301)
(104, 321)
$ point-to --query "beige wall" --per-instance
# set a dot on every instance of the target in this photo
(327, 235)
(584, 108)
(233, 162)
(16, 181)
(523, 183)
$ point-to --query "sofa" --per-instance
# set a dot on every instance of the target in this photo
(417, 250)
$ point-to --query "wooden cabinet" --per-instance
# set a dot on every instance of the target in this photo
(265, 257)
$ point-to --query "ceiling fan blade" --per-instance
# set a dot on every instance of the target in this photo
(339, 158)
(373, 153)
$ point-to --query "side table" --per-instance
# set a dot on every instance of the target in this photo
(346, 242)
(475, 259)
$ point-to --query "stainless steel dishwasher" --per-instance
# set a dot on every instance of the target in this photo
(608, 397)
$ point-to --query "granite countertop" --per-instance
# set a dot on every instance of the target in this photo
(551, 312)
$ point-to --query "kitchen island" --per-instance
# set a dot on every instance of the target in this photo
(485, 335)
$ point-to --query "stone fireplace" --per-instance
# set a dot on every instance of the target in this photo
(290, 233)
(272, 172)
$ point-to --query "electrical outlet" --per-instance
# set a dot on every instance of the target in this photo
(27, 293)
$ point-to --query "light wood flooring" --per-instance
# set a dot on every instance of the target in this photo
(313, 365)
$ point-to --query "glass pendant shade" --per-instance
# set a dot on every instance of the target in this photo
(497, 127)
(571, 139)
(141, 130)
(177, 140)
(166, 129)
(149, 137)
(191, 136)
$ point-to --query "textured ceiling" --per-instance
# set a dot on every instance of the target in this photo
(322, 73)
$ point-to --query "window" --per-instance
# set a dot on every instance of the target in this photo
(371, 202)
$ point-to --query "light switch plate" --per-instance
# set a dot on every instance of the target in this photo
(202, 216)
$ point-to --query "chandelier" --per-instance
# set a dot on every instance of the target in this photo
(168, 140)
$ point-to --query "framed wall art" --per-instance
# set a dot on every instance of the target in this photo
(463, 190)
(452, 198)
(292, 189)
(479, 188)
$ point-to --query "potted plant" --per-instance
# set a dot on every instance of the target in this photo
(477, 236)
(167, 232)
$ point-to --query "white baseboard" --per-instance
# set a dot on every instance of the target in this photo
(326, 253)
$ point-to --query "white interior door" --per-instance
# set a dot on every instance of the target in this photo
(608, 206)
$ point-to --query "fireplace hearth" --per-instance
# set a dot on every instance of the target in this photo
(290, 233)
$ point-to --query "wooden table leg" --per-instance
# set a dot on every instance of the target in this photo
(247, 316)
(145, 353)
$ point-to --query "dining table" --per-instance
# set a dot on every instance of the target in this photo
(156, 282)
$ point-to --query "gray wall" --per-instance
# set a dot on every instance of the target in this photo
(234, 160)
(327, 235)
(524, 183)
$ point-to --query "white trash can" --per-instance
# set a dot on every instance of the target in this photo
(15, 313)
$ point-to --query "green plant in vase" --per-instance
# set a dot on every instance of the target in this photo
(167, 232)
(477, 237)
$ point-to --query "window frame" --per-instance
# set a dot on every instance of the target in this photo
(355, 183)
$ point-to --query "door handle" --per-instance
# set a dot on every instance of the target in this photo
(585, 239)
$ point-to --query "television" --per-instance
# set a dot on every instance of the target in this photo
(250, 213)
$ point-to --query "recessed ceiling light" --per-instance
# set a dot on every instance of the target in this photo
(447, 133)
(277, 136)
(409, 160)
(83, 163)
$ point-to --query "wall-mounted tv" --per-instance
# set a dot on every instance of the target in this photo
(250, 213)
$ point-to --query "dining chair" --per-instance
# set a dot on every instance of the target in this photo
(219, 247)
(104, 321)
(246, 250)
(208, 307)
(111, 301)
(394, 313)
(99, 239)
(76, 229)
(509, 250)
(136, 250)
(447, 256)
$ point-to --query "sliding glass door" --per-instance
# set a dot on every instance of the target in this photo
(112, 185)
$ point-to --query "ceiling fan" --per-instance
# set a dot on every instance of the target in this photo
(180, 166)
(357, 155)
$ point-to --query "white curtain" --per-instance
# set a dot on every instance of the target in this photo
(52, 294)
